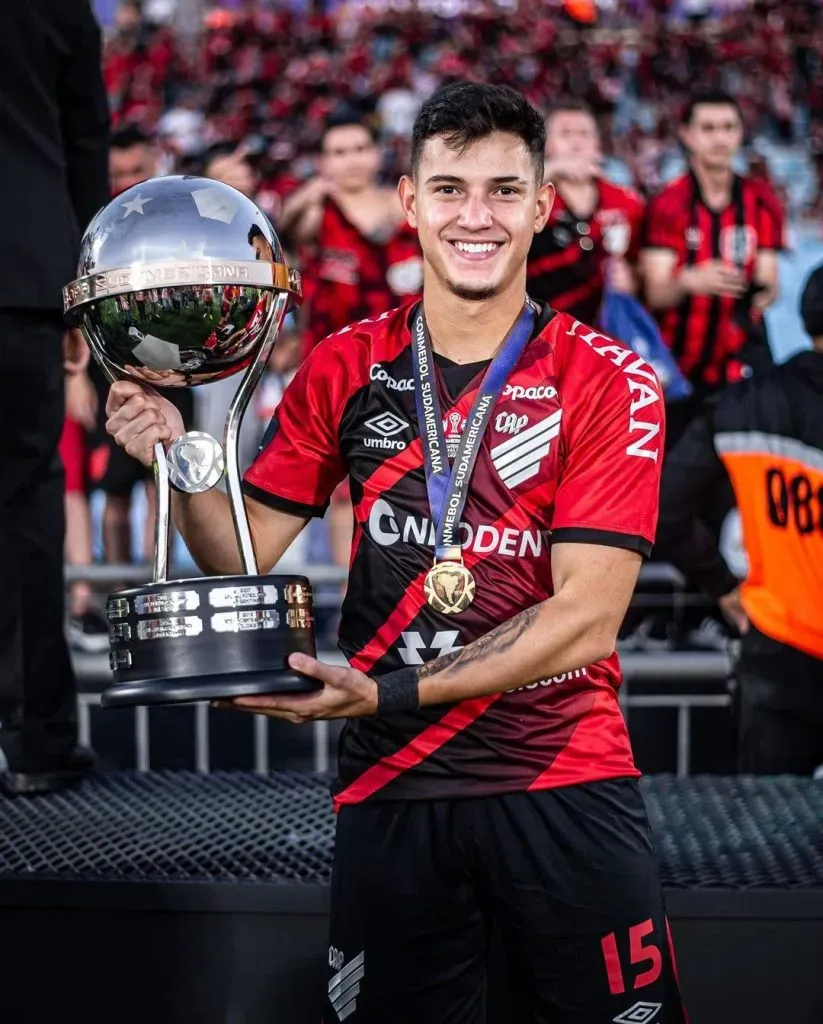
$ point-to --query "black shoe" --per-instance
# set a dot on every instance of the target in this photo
(79, 764)
(88, 632)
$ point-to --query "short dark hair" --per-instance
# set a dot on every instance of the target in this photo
(710, 97)
(465, 112)
(569, 106)
(130, 135)
(346, 116)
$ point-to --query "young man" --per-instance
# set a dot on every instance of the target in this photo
(710, 256)
(767, 436)
(485, 770)
(361, 256)
(593, 233)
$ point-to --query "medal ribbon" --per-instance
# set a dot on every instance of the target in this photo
(448, 485)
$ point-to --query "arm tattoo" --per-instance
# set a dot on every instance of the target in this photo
(497, 641)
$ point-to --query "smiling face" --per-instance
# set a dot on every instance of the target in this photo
(476, 213)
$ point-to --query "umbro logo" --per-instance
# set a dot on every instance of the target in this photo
(518, 459)
(385, 425)
(640, 1013)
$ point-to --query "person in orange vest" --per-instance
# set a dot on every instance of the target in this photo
(766, 435)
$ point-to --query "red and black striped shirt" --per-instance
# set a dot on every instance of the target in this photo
(567, 259)
(351, 277)
(706, 333)
(572, 453)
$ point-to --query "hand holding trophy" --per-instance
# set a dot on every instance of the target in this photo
(181, 281)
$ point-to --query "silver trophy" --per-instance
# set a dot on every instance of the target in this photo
(181, 281)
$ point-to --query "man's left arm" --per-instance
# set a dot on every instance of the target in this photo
(771, 242)
(577, 626)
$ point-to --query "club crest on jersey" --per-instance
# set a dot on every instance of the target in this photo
(518, 458)
(738, 244)
(510, 423)
(406, 278)
(694, 238)
(616, 234)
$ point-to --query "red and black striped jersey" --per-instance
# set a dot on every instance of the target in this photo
(706, 333)
(572, 453)
(351, 277)
(566, 261)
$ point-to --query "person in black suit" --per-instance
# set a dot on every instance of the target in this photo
(54, 128)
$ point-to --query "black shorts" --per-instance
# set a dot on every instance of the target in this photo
(112, 470)
(567, 878)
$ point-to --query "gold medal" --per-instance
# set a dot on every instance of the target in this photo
(449, 587)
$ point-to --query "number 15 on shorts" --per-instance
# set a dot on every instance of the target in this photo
(644, 963)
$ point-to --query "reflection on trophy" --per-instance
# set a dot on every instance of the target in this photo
(181, 281)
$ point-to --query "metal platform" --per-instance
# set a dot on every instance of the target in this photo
(194, 898)
(710, 832)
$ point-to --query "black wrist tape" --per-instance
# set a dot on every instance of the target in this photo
(398, 691)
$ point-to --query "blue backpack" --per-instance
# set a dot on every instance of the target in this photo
(625, 319)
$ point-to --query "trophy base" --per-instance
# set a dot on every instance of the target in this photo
(211, 638)
(191, 691)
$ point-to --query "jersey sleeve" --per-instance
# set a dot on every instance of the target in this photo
(771, 229)
(299, 463)
(662, 228)
(608, 490)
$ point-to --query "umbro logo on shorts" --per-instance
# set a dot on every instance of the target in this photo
(518, 458)
(344, 987)
(640, 1013)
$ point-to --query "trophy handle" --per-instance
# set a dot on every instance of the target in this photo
(162, 512)
(271, 330)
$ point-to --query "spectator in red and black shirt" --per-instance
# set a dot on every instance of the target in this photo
(361, 257)
(485, 767)
(593, 232)
(710, 256)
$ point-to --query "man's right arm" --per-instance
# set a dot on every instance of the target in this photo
(302, 212)
(138, 420)
(205, 522)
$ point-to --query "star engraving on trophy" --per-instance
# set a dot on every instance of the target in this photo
(135, 205)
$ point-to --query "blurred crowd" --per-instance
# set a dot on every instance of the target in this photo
(266, 77)
(248, 98)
